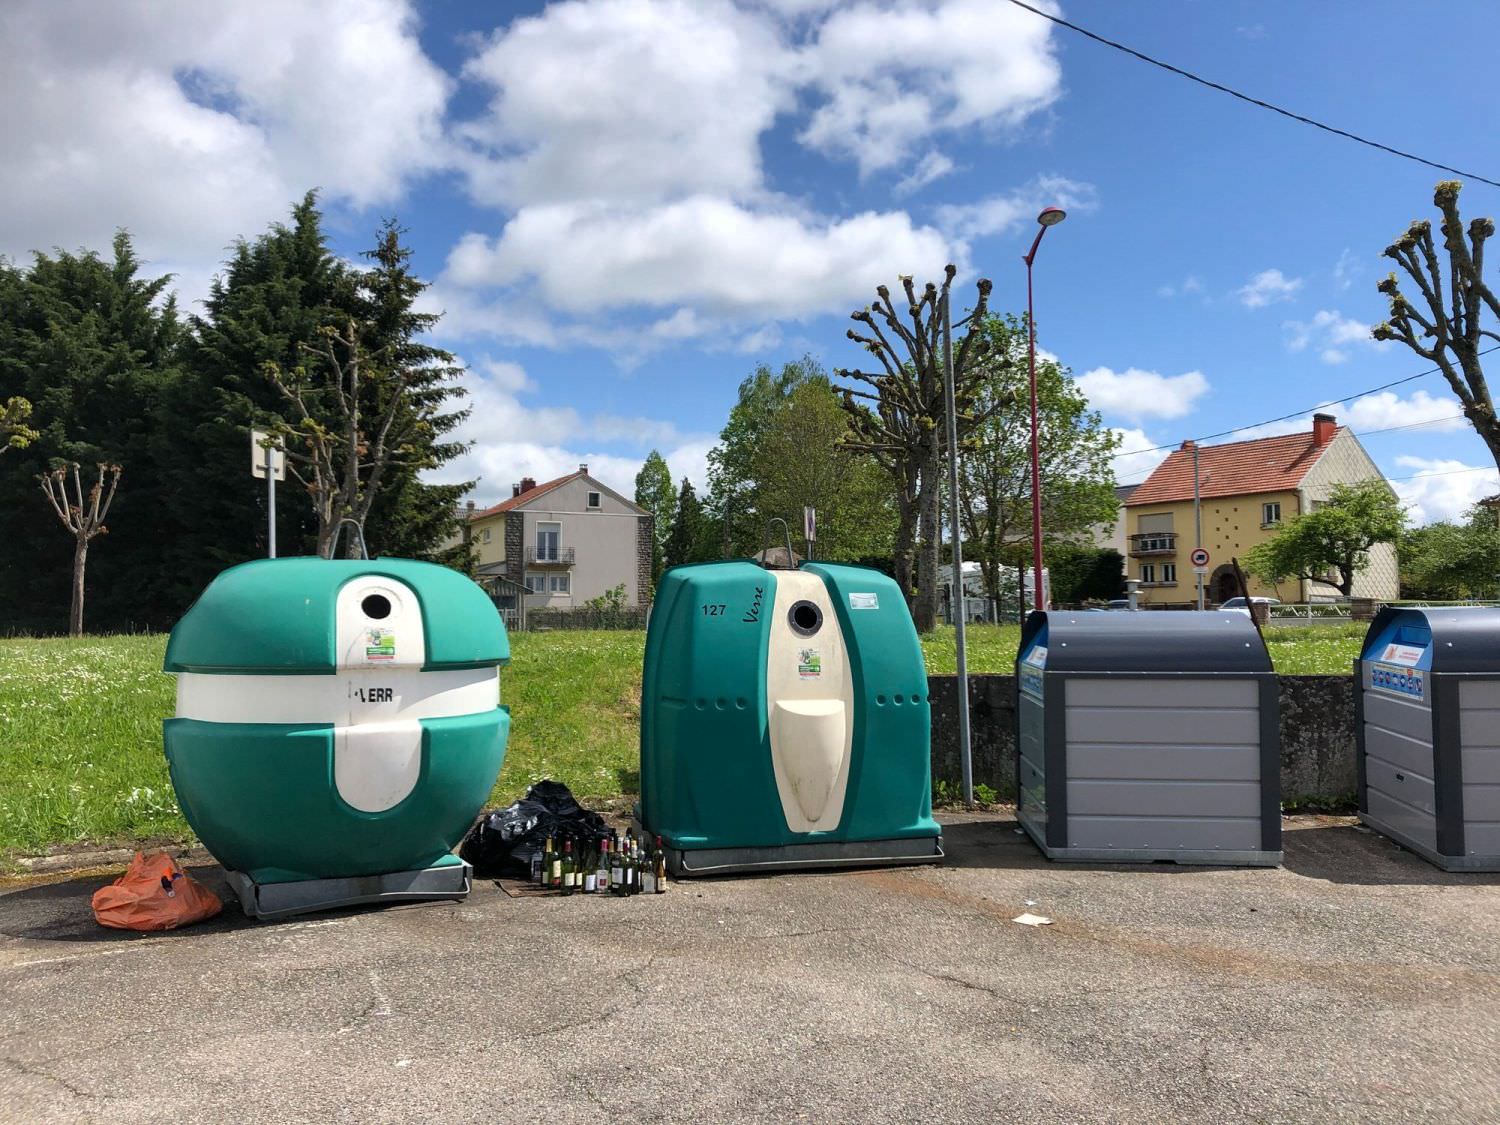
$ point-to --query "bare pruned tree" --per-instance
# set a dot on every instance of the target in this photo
(353, 421)
(83, 516)
(901, 420)
(1446, 330)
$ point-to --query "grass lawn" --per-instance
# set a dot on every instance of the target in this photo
(82, 759)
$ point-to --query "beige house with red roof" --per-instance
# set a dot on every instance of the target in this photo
(1246, 489)
(566, 541)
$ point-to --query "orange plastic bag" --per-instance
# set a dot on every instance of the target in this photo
(154, 894)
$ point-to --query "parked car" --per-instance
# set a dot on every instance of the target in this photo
(1118, 603)
(1242, 605)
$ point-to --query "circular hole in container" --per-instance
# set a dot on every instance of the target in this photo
(376, 606)
(805, 618)
(900, 699)
(880, 701)
(721, 703)
(700, 703)
(742, 703)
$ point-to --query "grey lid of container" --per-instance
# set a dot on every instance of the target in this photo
(1464, 638)
(1149, 641)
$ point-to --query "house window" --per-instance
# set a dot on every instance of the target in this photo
(593, 500)
(486, 535)
(547, 535)
(1270, 515)
(1169, 572)
(561, 584)
(536, 583)
(1148, 572)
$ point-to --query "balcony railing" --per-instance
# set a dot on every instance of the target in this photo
(549, 556)
(1153, 544)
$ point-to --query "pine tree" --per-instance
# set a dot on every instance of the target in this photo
(685, 544)
(653, 491)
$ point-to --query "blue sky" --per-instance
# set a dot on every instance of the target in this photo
(625, 205)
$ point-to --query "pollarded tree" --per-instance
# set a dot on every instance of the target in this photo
(1332, 543)
(83, 514)
(901, 419)
(1446, 329)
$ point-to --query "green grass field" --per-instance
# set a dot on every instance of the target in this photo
(82, 758)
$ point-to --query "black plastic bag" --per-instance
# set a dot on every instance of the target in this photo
(503, 841)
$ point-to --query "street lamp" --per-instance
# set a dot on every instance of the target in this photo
(1049, 217)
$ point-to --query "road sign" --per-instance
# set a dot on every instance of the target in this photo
(810, 524)
(1200, 571)
(1199, 558)
(258, 450)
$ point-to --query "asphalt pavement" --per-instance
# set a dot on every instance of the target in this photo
(1355, 983)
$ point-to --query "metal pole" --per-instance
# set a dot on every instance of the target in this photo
(1197, 523)
(956, 597)
(271, 501)
(1036, 461)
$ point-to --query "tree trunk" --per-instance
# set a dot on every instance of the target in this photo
(80, 561)
(929, 547)
(905, 543)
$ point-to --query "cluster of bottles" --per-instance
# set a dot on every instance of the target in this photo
(602, 866)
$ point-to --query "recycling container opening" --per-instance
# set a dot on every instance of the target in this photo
(338, 727)
(785, 721)
(1148, 736)
(1427, 724)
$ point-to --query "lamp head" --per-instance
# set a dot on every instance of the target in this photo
(1051, 216)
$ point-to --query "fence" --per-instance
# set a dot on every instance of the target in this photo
(626, 617)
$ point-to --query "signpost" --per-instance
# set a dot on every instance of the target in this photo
(809, 529)
(268, 460)
(1199, 559)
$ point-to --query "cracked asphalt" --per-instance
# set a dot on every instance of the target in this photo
(1356, 983)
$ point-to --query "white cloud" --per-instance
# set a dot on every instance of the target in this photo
(892, 76)
(704, 251)
(514, 439)
(998, 213)
(1266, 288)
(1346, 269)
(933, 166)
(1330, 331)
(1136, 394)
(1387, 409)
(1137, 456)
(1188, 286)
(189, 125)
(1443, 489)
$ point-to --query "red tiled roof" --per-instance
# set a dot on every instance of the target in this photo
(529, 495)
(1272, 464)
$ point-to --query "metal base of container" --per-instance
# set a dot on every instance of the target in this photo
(1186, 857)
(688, 862)
(1473, 863)
(268, 902)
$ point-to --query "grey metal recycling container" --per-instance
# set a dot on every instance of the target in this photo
(1148, 736)
(1428, 728)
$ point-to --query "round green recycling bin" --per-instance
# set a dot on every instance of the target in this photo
(338, 728)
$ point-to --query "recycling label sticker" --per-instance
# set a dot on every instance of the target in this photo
(1031, 671)
(864, 601)
(1402, 654)
(809, 663)
(380, 645)
(1394, 680)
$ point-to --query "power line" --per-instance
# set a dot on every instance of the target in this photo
(1409, 425)
(1299, 413)
(1253, 101)
(1447, 473)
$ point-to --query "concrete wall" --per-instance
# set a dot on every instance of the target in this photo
(1317, 736)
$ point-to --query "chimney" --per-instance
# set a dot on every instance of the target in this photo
(1324, 426)
(526, 485)
(583, 468)
(1188, 446)
(515, 490)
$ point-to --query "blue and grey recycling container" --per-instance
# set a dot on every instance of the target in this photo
(1428, 728)
(1148, 736)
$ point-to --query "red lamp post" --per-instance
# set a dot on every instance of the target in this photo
(1049, 217)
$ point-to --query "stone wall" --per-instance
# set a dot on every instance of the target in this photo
(1317, 737)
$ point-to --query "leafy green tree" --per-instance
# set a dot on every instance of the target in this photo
(803, 459)
(1075, 448)
(687, 544)
(14, 432)
(93, 346)
(1079, 573)
(1332, 543)
(653, 491)
(1450, 561)
(734, 502)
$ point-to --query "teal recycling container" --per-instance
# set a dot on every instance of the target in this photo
(338, 727)
(785, 721)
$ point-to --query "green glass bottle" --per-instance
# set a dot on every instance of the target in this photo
(569, 869)
(617, 870)
(551, 866)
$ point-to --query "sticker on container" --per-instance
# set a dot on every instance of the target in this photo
(380, 645)
(1031, 671)
(1403, 654)
(809, 663)
(1394, 680)
(864, 601)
